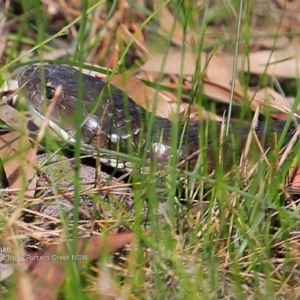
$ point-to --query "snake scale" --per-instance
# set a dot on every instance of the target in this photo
(125, 125)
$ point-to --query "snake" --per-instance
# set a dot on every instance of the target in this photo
(111, 120)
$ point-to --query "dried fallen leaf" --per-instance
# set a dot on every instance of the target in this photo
(169, 24)
(281, 63)
(173, 62)
(295, 179)
(43, 276)
(18, 161)
(12, 117)
(216, 80)
(217, 73)
(278, 105)
(144, 96)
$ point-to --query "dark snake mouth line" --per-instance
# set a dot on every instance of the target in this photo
(57, 129)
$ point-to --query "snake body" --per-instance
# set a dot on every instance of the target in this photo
(125, 125)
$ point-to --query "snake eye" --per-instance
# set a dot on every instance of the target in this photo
(49, 92)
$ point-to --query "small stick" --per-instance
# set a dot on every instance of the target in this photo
(46, 120)
(98, 175)
(246, 149)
